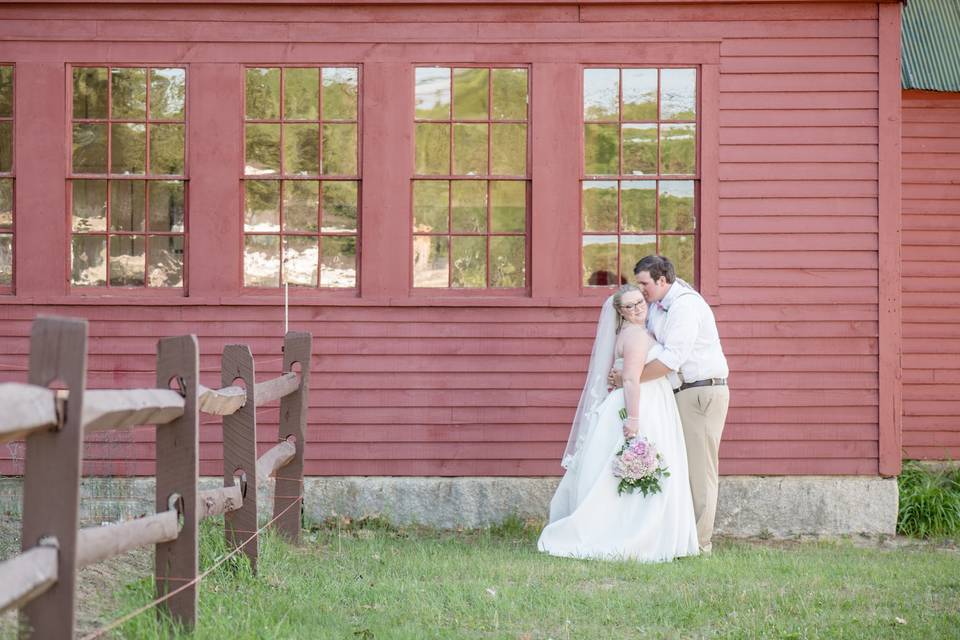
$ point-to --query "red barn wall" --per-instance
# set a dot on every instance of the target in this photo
(931, 275)
(442, 385)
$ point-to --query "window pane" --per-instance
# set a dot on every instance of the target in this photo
(469, 206)
(507, 261)
(261, 261)
(301, 94)
(639, 94)
(678, 94)
(338, 261)
(166, 205)
(340, 150)
(509, 150)
(509, 94)
(89, 205)
(168, 91)
(676, 206)
(127, 205)
(6, 259)
(301, 205)
(470, 149)
(601, 149)
(6, 203)
(601, 94)
(127, 261)
(432, 93)
(639, 149)
(600, 260)
(632, 248)
(6, 146)
(600, 206)
(128, 88)
(471, 91)
(89, 261)
(89, 148)
(469, 261)
(508, 206)
(301, 144)
(638, 205)
(261, 211)
(300, 260)
(430, 260)
(433, 149)
(166, 149)
(6, 91)
(263, 94)
(90, 92)
(680, 250)
(165, 261)
(678, 148)
(128, 148)
(339, 206)
(263, 149)
(430, 201)
(340, 93)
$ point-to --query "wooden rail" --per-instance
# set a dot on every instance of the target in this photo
(41, 580)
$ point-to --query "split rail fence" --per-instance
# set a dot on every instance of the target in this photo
(41, 580)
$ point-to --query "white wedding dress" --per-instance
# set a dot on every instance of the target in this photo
(588, 519)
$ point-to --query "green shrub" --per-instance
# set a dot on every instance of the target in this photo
(929, 502)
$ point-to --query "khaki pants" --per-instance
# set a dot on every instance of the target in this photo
(703, 411)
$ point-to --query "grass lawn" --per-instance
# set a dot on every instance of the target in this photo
(367, 580)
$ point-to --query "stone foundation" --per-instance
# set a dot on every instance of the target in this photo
(748, 505)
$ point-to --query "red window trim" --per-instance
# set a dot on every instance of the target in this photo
(10, 289)
(451, 292)
(304, 292)
(601, 291)
(108, 177)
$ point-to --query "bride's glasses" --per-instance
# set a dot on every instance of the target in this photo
(631, 307)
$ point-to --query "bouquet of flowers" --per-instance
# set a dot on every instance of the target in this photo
(639, 465)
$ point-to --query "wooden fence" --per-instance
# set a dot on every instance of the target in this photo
(41, 580)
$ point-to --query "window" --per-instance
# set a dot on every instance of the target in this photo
(6, 177)
(470, 191)
(128, 179)
(301, 176)
(639, 186)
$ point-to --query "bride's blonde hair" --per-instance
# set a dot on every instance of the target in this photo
(618, 296)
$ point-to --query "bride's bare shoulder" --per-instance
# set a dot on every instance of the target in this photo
(634, 334)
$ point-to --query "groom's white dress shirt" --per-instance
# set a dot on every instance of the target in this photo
(684, 324)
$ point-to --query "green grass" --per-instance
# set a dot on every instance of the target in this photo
(929, 501)
(370, 580)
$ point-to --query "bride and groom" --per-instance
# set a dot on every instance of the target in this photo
(659, 339)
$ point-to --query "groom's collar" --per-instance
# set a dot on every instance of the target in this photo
(677, 289)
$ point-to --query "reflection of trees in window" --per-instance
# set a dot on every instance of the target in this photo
(471, 177)
(6, 176)
(301, 176)
(128, 176)
(640, 172)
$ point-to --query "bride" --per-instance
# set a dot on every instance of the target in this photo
(588, 519)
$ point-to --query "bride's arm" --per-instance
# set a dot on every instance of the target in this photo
(636, 343)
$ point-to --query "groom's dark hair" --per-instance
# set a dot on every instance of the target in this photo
(658, 267)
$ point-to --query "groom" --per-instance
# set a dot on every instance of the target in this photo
(693, 361)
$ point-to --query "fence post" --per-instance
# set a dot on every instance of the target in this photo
(293, 422)
(177, 467)
(240, 450)
(51, 478)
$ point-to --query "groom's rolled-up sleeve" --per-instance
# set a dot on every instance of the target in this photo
(680, 333)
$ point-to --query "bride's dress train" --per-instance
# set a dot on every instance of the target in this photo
(588, 519)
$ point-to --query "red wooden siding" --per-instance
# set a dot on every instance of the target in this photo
(445, 385)
(931, 275)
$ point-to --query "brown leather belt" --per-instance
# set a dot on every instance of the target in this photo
(709, 382)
